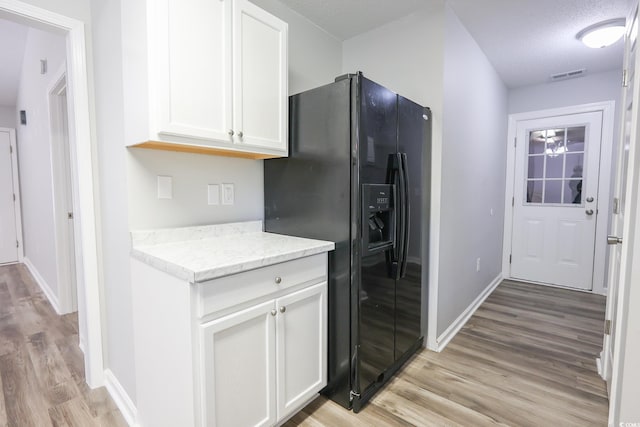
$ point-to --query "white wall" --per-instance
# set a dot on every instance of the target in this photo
(34, 152)
(596, 87)
(7, 116)
(314, 55)
(191, 173)
(473, 173)
(112, 171)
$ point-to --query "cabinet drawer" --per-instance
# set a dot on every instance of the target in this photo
(231, 290)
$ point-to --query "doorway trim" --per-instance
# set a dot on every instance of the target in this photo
(16, 190)
(604, 184)
(82, 145)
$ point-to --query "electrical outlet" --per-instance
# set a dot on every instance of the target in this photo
(228, 196)
(165, 187)
(478, 264)
(213, 194)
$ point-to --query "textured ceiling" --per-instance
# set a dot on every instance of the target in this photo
(526, 40)
(12, 41)
(347, 18)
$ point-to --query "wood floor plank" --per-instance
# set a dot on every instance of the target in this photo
(42, 380)
(526, 358)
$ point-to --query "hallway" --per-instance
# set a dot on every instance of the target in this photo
(525, 358)
(41, 366)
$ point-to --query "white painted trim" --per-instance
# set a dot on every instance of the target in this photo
(46, 289)
(16, 190)
(457, 324)
(80, 122)
(604, 183)
(434, 233)
(120, 397)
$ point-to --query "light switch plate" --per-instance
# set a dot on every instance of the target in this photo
(213, 194)
(227, 194)
(165, 187)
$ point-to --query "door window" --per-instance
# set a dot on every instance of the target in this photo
(555, 163)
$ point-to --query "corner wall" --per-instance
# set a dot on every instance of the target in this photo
(34, 155)
(473, 174)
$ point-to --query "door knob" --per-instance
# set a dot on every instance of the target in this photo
(230, 132)
(589, 211)
(283, 309)
(278, 280)
(240, 134)
(589, 199)
(613, 240)
(274, 312)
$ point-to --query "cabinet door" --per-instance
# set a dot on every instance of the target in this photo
(301, 347)
(238, 359)
(190, 69)
(260, 92)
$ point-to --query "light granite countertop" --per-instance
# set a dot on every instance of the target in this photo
(197, 254)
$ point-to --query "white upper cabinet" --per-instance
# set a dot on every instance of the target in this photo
(217, 78)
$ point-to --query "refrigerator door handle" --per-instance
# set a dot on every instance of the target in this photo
(406, 212)
(401, 213)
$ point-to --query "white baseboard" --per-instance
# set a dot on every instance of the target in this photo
(46, 289)
(120, 397)
(457, 324)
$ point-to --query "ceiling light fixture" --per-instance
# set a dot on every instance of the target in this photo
(603, 33)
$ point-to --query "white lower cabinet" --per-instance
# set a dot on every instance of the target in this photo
(244, 350)
(262, 363)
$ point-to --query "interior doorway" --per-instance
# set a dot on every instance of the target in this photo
(63, 195)
(10, 217)
(557, 197)
(86, 245)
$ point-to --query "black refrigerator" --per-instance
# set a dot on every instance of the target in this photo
(358, 174)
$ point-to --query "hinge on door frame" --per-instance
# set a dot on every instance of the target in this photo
(11, 149)
(607, 327)
(353, 394)
(515, 141)
(625, 75)
(510, 257)
(17, 244)
(616, 205)
(14, 197)
(513, 201)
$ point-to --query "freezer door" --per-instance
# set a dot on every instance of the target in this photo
(375, 297)
(413, 131)
(307, 194)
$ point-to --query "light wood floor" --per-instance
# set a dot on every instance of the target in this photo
(526, 358)
(41, 366)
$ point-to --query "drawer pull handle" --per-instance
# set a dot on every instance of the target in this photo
(283, 309)
(278, 280)
(274, 312)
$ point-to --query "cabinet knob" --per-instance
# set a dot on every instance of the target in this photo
(230, 132)
(283, 309)
(240, 134)
(278, 280)
(274, 312)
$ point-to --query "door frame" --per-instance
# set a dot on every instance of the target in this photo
(60, 166)
(604, 184)
(83, 145)
(16, 190)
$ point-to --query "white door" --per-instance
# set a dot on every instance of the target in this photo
(260, 93)
(8, 233)
(302, 352)
(239, 368)
(554, 206)
(619, 201)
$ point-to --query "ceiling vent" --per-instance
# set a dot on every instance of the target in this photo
(568, 75)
